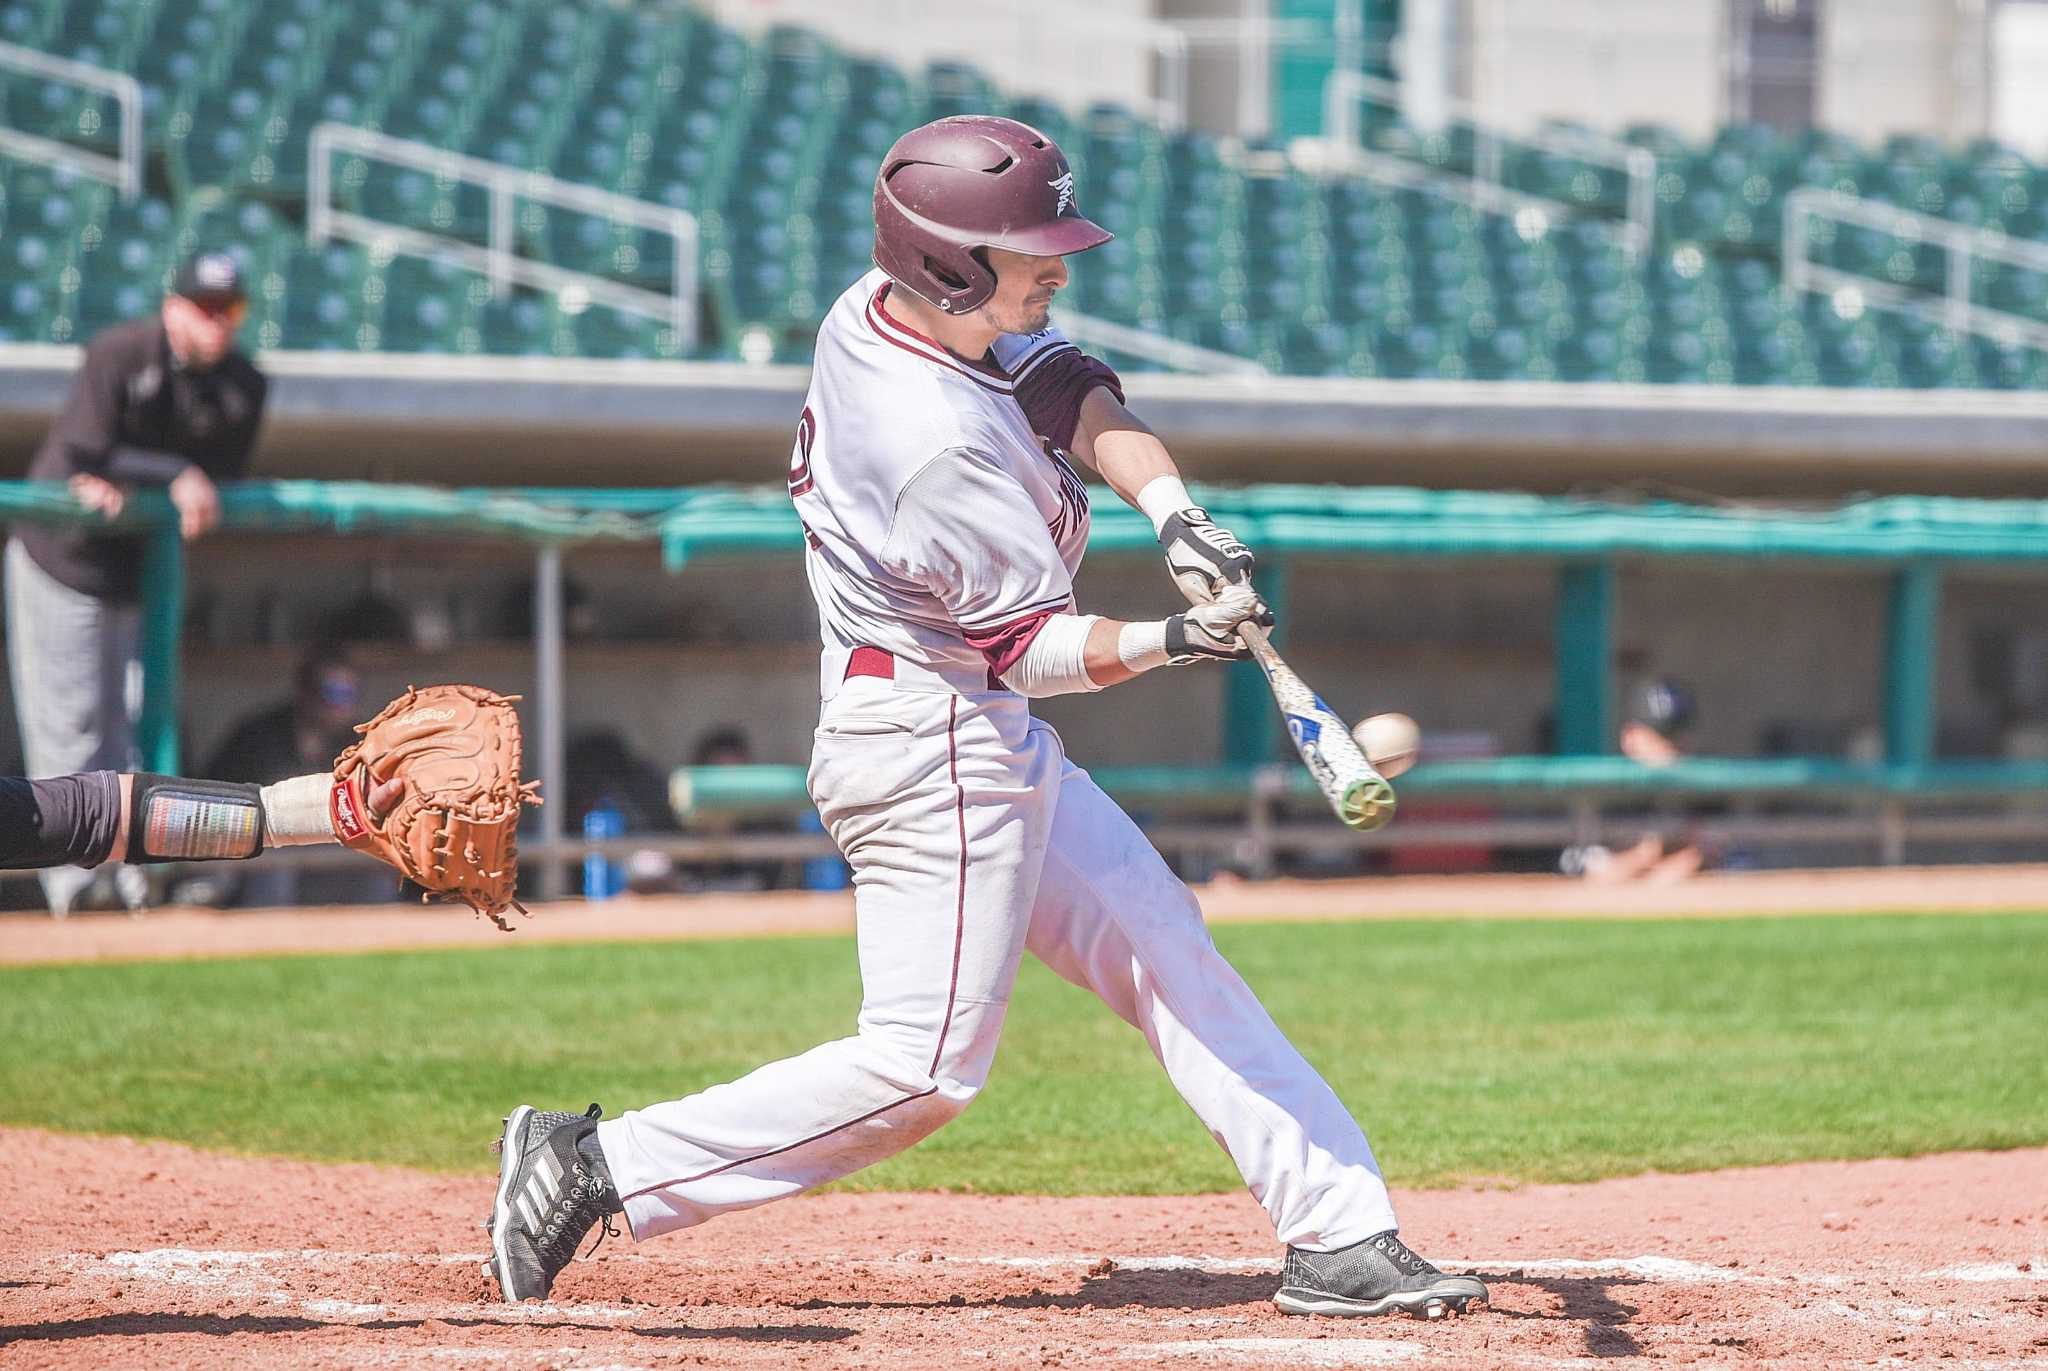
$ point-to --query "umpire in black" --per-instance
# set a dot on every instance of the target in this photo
(166, 401)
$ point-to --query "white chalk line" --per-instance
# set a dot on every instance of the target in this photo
(1317, 1352)
(1670, 1270)
(179, 1265)
(2035, 1270)
(1345, 1352)
(258, 1276)
(223, 1266)
(1664, 1270)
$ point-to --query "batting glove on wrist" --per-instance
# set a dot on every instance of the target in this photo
(1209, 632)
(1202, 555)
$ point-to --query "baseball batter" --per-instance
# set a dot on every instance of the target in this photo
(944, 520)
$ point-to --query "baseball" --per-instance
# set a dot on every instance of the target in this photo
(1390, 742)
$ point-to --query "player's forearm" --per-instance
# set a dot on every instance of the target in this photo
(1104, 657)
(1075, 653)
(1201, 555)
(185, 820)
(1070, 654)
(144, 466)
(58, 820)
(1118, 445)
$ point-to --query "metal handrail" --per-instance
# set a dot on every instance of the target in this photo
(1954, 309)
(123, 172)
(1157, 347)
(497, 259)
(1343, 89)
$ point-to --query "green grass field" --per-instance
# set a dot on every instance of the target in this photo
(1526, 1051)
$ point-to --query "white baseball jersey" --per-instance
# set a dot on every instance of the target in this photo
(939, 527)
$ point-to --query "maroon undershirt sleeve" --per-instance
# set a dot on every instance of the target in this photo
(1052, 391)
(1005, 643)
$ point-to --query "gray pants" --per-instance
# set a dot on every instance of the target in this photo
(74, 661)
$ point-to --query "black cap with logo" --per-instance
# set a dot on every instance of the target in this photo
(209, 276)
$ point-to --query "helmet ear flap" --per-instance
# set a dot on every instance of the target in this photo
(981, 281)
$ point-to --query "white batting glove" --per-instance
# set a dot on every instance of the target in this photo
(1202, 555)
(1210, 632)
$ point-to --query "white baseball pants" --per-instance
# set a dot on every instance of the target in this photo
(972, 837)
(74, 663)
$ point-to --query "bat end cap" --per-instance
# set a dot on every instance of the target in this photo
(1368, 805)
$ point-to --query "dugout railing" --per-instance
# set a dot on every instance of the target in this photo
(1240, 808)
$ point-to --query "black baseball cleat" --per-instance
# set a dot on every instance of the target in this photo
(1377, 1276)
(553, 1188)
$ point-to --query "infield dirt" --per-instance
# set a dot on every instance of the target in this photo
(139, 1254)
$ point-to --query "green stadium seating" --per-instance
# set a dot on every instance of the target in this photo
(772, 142)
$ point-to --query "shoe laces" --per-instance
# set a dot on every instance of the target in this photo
(605, 1229)
(1401, 1254)
(576, 1209)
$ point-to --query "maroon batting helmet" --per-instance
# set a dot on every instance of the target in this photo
(956, 186)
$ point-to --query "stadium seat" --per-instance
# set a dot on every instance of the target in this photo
(2009, 366)
(1930, 355)
(772, 139)
(517, 322)
(425, 305)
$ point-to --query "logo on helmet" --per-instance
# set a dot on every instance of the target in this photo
(1064, 184)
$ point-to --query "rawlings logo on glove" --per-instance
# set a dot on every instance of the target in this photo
(454, 831)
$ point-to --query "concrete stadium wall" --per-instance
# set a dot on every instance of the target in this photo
(1075, 52)
(1603, 63)
(1883, 66)
(518, 421)
(1904, 66)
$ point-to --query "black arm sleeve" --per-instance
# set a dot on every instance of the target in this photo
(63, 821)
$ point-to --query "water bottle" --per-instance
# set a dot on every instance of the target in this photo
(602, 878)
(821, 873)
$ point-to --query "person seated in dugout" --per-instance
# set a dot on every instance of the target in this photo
(728, 745)
(299, 735)
(1660, 712)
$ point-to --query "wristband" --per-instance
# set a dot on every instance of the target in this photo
(295, 812)
(173, 819)
(1163, 496)
(1140, 647)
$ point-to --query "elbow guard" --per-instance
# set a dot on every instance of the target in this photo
(1056, 663)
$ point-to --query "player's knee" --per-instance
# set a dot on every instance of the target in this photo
(945, 1071)
(948, 1101)
(934, 1094)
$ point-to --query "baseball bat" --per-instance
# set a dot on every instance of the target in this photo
(1361, 796)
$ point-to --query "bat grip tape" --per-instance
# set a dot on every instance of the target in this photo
(176, 819)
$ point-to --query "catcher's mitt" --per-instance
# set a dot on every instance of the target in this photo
(455, 831)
